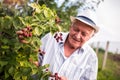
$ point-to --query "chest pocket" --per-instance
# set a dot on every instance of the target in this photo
(75, 71)
(81, 72)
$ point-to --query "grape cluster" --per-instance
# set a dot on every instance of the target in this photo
(24, 33)
(58, 37)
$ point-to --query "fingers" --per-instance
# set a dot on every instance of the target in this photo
(56, 77)
(63, 78)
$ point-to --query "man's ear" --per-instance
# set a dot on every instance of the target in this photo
(93, 34)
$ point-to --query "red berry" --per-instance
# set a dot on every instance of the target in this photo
(29, 28)
(55, 35)
(57, 39)
(20, 36)
(56, 73)
(61, 34)
(60, 38)
(19, 32)
(24, 41)
(39, 50)
(30, 34)
(46, 70)
(25, 34)
(24, 29)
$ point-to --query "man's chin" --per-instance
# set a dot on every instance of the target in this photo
(75, 47)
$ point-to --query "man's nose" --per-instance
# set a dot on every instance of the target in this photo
(78, 35)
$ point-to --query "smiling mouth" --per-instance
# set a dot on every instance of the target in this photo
(76, 39)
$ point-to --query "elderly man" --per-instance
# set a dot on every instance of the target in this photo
(68, 54)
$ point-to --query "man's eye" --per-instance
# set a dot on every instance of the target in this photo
(84, 34)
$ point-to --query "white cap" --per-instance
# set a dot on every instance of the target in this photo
(88, 17)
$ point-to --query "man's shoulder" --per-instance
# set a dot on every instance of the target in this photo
(92, 56)
(89, 49)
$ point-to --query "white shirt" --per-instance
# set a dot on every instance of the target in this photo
(81, 65)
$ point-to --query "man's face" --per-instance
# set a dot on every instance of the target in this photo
(79, 34)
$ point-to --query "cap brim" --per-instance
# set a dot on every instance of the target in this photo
(96, 28)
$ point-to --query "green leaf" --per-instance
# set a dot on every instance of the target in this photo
(1, 69)
(37, 31)
(17, 23)
(46, 74)
(26, 70)
(36, 7)
(7, 22)
(11, 69)
(24, 77)
(21, 63)
(46, 13)
(3, 63)
(22, 20)
(41, 68)
(17, 76)
(6, 75)
(35, 42)
(5, 47)
(46, 66)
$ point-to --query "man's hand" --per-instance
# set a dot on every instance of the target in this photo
(63, 78)
(56, 77)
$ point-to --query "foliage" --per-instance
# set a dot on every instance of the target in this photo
(69, 8)
(101, 50)
(15, 55)
(64, 11)
(15, 52)
(115, 57)
(112, 68)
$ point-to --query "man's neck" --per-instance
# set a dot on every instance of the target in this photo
(68, 49)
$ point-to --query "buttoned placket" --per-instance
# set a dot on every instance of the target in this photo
(72, 60)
